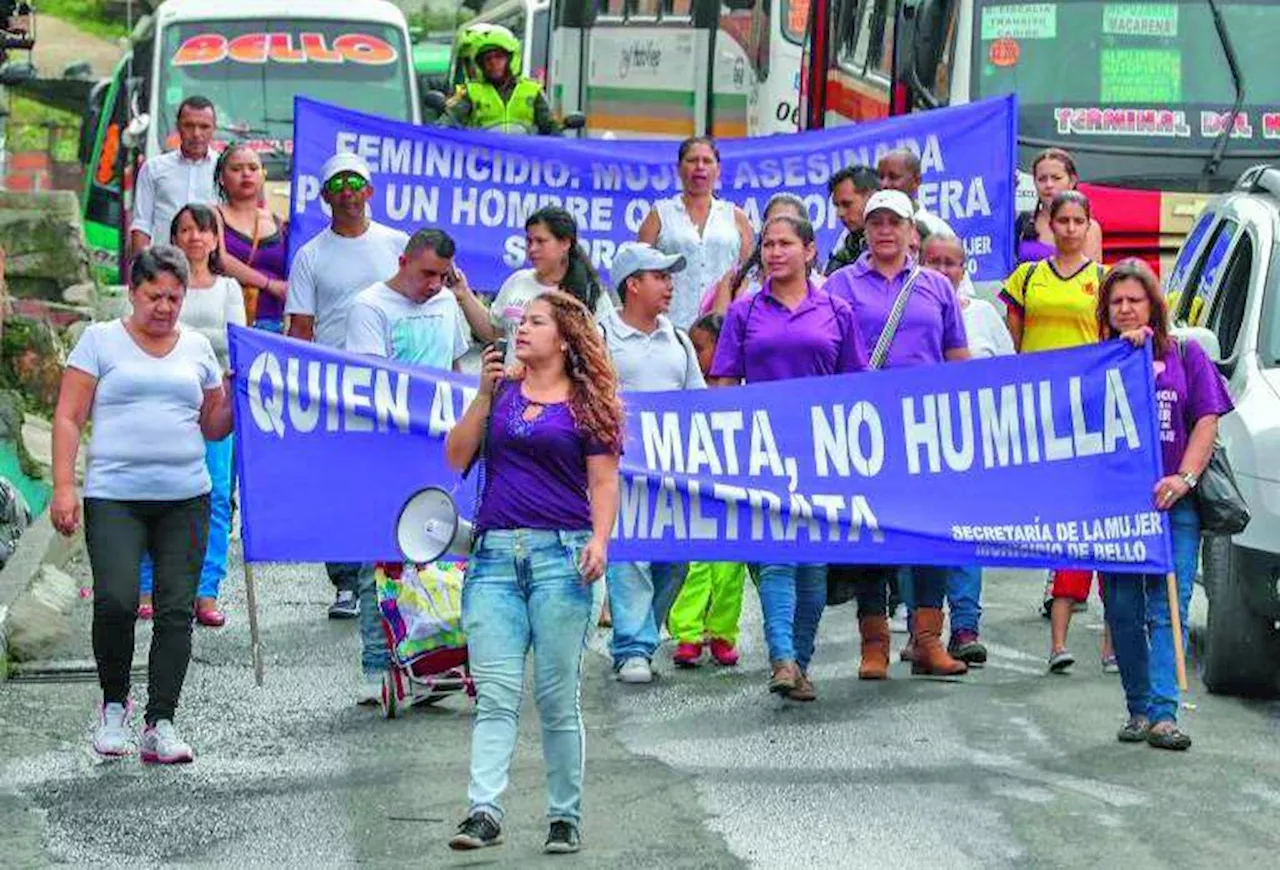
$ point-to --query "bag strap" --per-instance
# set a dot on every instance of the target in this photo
(690, 354)
(1026, 282)
(895, 319)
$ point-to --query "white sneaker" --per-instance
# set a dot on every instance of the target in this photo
(370, 692)
(113, 737)
(635, 670)
(162, 745)
(898, 620)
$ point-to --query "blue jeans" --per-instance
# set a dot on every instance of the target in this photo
(374, 657)
(523, 591)
(1137, 609)
(923, 585)
(792, 598)
(964, 596)
(636, 593)
(217, 458)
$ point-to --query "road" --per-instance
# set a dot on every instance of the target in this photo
(1009, 767)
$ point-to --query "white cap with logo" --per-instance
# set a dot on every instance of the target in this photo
(632, 257)
(890, 200)
(345, 161)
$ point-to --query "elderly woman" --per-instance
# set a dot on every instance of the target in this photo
(153, 391)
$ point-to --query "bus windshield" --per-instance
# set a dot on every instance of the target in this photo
(252, 70)
(1131, 74)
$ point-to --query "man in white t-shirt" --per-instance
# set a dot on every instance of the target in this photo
(354, 252)
(411, 318)
(649, 354)
(327, 273)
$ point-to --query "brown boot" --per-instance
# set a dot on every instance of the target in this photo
(785, 675)
(875, 648)
(931, 656)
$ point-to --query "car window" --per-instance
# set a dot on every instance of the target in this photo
(1205, 274)
(1226, 314)
(1177, 280)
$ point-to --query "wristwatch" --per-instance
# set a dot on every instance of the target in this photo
(1189, 479)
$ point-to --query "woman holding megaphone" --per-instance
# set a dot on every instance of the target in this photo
(548, 435)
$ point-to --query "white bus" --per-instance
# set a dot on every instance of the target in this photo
(676, 68)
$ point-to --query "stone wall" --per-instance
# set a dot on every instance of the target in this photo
(44, 243)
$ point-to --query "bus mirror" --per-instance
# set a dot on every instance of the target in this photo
(435, 101)
(575, 121)
(135, 133)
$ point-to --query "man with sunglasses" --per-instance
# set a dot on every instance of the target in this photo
(328, 273)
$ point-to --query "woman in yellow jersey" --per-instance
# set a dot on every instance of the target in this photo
(1053, 304)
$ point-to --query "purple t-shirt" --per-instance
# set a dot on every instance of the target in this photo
(1189, 388)
(932, 323)
(269, 259)
(536, 471)
(763, 340)
(1034, 250)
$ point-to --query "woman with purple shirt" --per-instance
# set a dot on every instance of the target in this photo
(790, 329)
(254, 238)
(930, 331)
(1191, 397)
(549, 435)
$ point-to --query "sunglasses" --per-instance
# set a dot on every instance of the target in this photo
(353, 183)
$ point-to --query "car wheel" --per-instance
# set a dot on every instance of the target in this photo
(1241, 649)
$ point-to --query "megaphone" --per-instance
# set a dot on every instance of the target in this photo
(430, 527)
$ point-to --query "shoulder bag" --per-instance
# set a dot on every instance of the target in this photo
(1219, 502)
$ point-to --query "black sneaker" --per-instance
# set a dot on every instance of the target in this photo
(345, 605)
(563, 839)
(476, 831)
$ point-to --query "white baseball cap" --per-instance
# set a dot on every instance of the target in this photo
(632, 257)
(345, 161)
(891, 200)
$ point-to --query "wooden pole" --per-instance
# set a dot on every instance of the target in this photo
(255, 639)
(1179, 653)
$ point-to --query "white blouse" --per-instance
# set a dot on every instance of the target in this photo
(708, 256)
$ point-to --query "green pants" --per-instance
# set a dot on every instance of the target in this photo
(709, 603)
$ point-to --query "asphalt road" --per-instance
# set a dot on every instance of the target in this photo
(1008, 767)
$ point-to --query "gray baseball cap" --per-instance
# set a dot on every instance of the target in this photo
(632, 257)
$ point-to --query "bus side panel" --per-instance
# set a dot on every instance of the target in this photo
(732, 78)
(566, 69)
(102, 209)
(642, 81)
(852, 99)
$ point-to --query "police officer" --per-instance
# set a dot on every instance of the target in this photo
(499, 98)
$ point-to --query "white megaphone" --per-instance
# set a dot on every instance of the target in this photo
(430, 527)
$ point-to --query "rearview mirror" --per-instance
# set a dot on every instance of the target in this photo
(1207, 340)
(575, 121)
(435, 101)
(137, 130)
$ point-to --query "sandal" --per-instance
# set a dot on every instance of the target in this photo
(1134, 731)
(1168, 738)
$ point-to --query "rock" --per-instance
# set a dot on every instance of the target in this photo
(44, 242)
(111, 302)
(31, 356)
(11, 420)
(72, 335)
(80, 294)
(15, 516)
(40, 620)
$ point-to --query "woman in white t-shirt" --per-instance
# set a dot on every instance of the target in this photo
(213, 302)
(558, 263)
(713, 235)
(153, 392)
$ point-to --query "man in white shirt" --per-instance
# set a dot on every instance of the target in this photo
(900, 170)
(327, 274)
(169, 181)
(410, 318)
(350, 255)
(650, 354)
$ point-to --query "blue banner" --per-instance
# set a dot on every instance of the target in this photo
(1041, 460)
(482, 186)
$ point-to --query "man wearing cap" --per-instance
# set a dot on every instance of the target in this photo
(327, 274)
(929, 332)
(649, 354)
(900, 170)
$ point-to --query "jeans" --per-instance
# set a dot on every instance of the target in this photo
(345, 576)
(923, 585)
(117, 534)
(792, 598)
(270, 324)
(523, 591)
(374, 656)
(217, 458)
(964, 596)
(709, 604)
(636, 592)
(1137, 610)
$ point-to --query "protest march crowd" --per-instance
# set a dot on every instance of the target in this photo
(699, 300)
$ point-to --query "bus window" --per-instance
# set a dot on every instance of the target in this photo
(795, 20)
(645, 9)
(856, 30)
(677, 9)
(880, 35)
(614, 9)
(535, 62)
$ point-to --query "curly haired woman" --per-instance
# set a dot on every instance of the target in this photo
(550, 496)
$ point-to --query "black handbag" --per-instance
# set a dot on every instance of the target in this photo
(1222, 508)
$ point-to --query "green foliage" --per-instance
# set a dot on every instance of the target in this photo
(91, 16)
(29, 129)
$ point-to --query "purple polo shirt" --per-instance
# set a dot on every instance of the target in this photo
(1188, 389)
(932, 322)
(763, 340)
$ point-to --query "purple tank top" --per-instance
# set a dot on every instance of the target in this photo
(269, 259)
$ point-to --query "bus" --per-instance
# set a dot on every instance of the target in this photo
(677, 68)
(1160, 103)
(251, 58)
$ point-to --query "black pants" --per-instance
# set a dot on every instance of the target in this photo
(344, 575)
(117, 533)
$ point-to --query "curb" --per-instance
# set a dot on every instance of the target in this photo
(39, 545)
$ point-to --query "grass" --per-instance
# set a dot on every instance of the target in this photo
(88, 15)
(29, 123)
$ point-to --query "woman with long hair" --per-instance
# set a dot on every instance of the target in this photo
(254, 240)
(548, 434)
(557, 262)
(1054, 171)
(713, 235)
(790, 329)
(212, 302)
(1192, 397)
